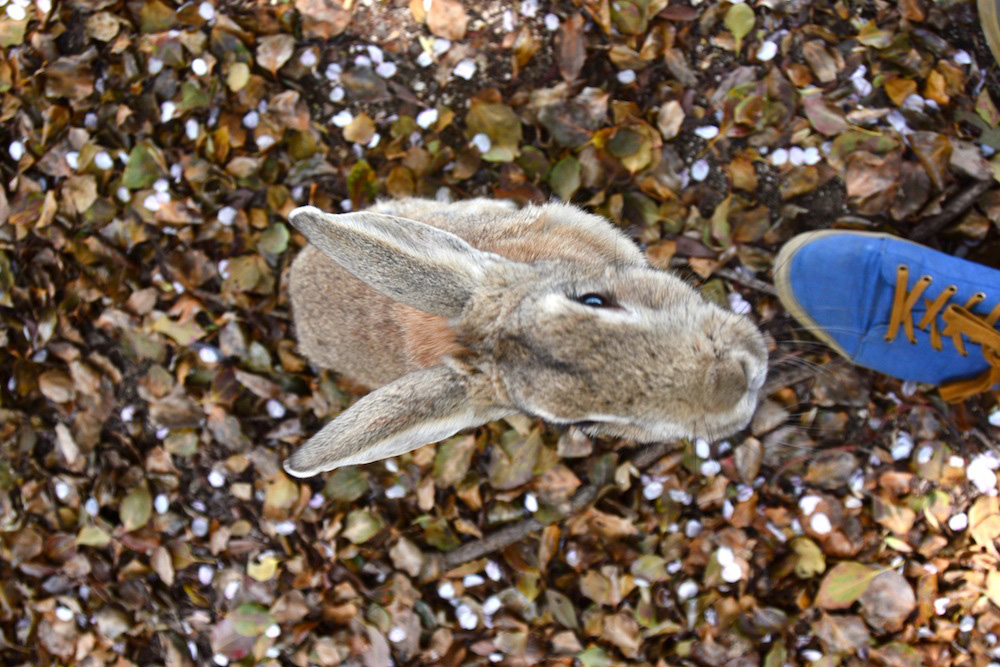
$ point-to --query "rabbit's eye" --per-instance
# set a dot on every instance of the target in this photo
(595, 301)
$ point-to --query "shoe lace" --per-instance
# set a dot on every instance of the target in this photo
(959, 321)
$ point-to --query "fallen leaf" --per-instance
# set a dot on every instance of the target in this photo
(57, 386)
(323, 19)
(842, 634)
(934, 152)
(136, 509)
(887, 602)
(448, 19)
(273, 51)
(571, 50)
(845, 584)
(740, 20)
(360, 130)
(820, 61)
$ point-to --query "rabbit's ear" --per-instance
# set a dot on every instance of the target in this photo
(417, 409)
(428, 268)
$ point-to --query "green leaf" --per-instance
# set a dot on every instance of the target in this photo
(740, 20)
(346, 484)
(565, 177)
(811, 561)
(438, 533)
(156, 17)
(452, 460)
(183, 334)
(237, 77)
(192, 98)
(92, 536)
(12, 32)
(274, 239)
(561, 608)
(500, 124)
(595, 656)
(777, 656)
(362, 526)
(250, 620)
(362, 184)
(136, 509)
(625, 142)
(721, 229)
(650, 567)
(844, 584)
(142, 169)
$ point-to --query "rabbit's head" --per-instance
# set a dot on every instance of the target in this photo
(621, 349)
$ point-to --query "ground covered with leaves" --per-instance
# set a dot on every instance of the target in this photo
(151, 152)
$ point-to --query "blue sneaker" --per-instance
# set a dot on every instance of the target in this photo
(896, 307)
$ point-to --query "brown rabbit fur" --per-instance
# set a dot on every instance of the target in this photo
(462, 313)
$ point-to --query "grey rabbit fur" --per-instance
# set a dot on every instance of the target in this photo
(458, 314)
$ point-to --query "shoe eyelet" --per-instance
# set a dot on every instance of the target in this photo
(951, 289)
(980, 295)
(926, 279)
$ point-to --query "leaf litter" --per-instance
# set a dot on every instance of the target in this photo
(152, 385)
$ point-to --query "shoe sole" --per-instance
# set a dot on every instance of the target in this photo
(783, 284)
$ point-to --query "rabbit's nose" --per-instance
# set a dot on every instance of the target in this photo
(727, 383)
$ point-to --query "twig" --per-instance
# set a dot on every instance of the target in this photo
(956, 206)
(730, 275)
(518, 531)
(747, 280)
(781, 380)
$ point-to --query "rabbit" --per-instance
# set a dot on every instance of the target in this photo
(459, 314)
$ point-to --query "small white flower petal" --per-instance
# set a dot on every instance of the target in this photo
(386, 70)
(687, 590)
(820, 523)
(767, 51)
(427, 117)
(707, 132)
(626, 76)
(161, 503)
(103, 161)
(482, 143)
(699, 170)
(465, 69)
(958, 522)
(206, 11)
(779, 157)
(731, 573)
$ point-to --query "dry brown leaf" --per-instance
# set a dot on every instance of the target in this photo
(887, 602)
(360, 130)
(274, 51)
(669, 119)
(448, 19)
(323, 19)
(57, 386)
(571, 49)
(820, 61)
